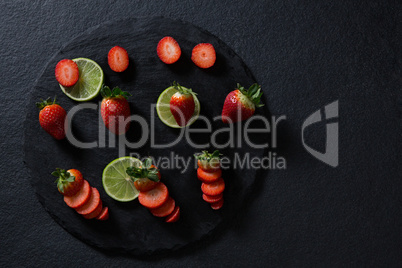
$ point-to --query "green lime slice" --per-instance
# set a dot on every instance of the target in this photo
(116, 182)
(89, 83)
(163, 108)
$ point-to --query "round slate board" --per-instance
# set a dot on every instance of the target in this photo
(131, 228)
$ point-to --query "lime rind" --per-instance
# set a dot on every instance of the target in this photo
(116, 182)
(163, 109)
(90, 82)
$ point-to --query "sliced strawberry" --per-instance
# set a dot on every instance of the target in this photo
(104, 215)
(67, 72)
(204, 55)
(117, 59)
(165, 209)
(80, 198)
(213, 188)
(208, 177)
(92, 203)
(217, 205)
(174, 216)
(168, 50)
(154, 198)
(212, 198)
(94, 213)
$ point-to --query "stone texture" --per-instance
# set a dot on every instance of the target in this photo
(305, 56)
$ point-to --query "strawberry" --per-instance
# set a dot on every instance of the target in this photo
(174, 216)
(203, 55)
(145, 178)
(213, 188)
(154, 198)
(212, 198)
(217, 205)
(94, 213)
(115, 109)
(68, 182)
(67, 73)
(52, 117)
(104, 215)
(92, 204)
(240, 104)
(168, 50)
(208, 162)
(208, 177)
(165, 209)
(80, 198)
(182, 104)
(117, 59)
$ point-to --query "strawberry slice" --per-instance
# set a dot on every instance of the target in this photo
(117, 59)
(217, 205)
(165, 209)
(104, 215)
(168, 50)
(94, 213)
(67, 72)
(154, 198)
(213, 188)
(204, 55)
(92, 204)
(208, 177)
(212, 198)
(174, 216)
(80, 198)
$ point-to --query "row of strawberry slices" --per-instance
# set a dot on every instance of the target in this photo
(210, 173)
(79, 195)
(154, 194)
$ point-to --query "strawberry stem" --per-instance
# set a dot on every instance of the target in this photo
(182, 90)
(145, 171)
(204, 155)
(106, 92)
(254, 93)
(43, 103)
(63, 178)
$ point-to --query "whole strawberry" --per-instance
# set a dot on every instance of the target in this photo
(115, 109)
(182, 104)
(240, 104)
(68, 182)
(52, 117)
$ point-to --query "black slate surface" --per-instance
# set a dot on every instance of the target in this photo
(305, 55)
(131, 228)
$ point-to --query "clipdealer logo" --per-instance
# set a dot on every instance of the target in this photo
(331, 154)
(270, 161)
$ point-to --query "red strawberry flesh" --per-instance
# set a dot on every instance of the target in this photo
(104, 215)
(204, 55)
(67, 72)
(174, 216)
(80, 198)
(168, 50)
(118, 59)
(154, 198)
(165, 209)
(91, 204)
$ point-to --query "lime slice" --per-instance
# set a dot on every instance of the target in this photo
(116, 182)
(89, 83)
(163, 108)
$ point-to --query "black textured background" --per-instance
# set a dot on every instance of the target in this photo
(305, 55)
